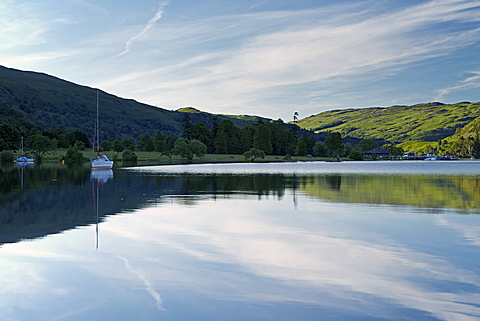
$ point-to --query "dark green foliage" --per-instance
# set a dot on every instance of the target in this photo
(263, 139)
(227, 140)
(301, 149)
(254, 153)
(40, 145)
(128, 144)
(356, 155)
(10, 136)
(73, 156)
(29, 99)
(118, 147)
(105, 146)
(367, 144)
(79, 145)
(6, 157)
(320, 150)
(186, 126)
(146, 143)
(129, 156)
(188, 149)
(198, 148)
(183, 149)
(200, 132)
(334, 144)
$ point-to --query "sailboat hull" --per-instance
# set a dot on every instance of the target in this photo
(101, 162)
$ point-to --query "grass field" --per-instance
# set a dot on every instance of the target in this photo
(154, 158)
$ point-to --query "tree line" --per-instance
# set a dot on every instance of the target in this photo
(256, 140)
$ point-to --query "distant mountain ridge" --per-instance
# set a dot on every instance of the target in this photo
(30, 98)
(396, 124)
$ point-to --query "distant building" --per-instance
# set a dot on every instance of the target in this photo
(381, 153)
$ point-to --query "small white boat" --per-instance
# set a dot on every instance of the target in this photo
(432, 158)
(102, 161)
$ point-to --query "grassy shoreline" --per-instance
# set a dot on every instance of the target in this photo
(155, 158)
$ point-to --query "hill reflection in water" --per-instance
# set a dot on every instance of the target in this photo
(244, 242)
(43, 200)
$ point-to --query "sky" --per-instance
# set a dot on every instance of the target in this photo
(257, 57)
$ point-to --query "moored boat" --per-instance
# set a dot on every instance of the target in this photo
(102, 161)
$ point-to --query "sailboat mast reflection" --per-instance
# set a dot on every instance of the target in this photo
(98, 178)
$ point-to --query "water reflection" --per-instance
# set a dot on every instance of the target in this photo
(191, 246)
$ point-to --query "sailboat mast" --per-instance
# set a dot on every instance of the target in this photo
(98, 128)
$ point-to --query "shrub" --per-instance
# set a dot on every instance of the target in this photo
(73, 156)
(6, 157)
(356, 155)
(129, 156)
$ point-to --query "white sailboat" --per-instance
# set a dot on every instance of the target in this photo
(102, 161)
(25, 158)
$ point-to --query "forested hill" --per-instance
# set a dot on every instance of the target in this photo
(30, 98)
(396, 124)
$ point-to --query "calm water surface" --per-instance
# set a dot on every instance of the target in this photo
(288, 241)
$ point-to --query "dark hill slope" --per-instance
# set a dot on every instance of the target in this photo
(35, 98)
(427, 122)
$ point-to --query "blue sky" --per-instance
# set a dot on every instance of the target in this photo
(264, 57)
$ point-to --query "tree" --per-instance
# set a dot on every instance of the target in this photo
(78, 135)
(367, 144)
(263, 139)
(301, 149)
(40, 145)
(79, 145)
(356, 155)
(146, 143)
(254, 153)
(105, 146)
(188, 149)
(128, 144)
(117, 146)
(200, 132)
(186, 126)
(228, 138)
(394, 151)
(129, 156)
(320, 150)
(246, 137)
(334, 144)
(183, 149)
(11, 136)
(6, 157)
(73, 156)
(198, 148)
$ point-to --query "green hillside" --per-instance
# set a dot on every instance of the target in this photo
(30, 98)
(396, 124)
(247, 118)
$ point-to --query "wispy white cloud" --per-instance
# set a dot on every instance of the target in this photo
(19, 26)
(307, 49)
(148, 285)
(267, 62)
(148, 26)
(470, 82)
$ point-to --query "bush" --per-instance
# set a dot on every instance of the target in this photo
(356, 155)
(73, 156)
(129, 156)
(6, 157)
(254, 153)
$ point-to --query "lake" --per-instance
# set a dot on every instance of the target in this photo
(393, 240)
